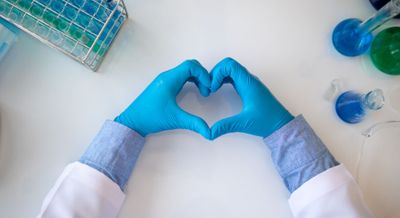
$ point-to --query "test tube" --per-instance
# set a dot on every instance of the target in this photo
(49, 17)
(16, 15)
(95, 26)
(70, 12)
(83, 19)
(88, 39)
(78, 3)
(352, 37)
(57, 5)
(5, 8)
(76, 32)
(44, 2)
(90, 7)
(29, 22)
(24, 4)
(61, 24)
(37, 10)
(102, 13)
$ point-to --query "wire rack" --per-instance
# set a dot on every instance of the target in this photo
(82, 29)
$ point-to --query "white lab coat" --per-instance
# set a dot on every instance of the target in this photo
(82, 191)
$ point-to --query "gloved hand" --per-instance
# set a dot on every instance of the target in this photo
(262, 114)
(156, 109)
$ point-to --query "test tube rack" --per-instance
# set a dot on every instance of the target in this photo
(82, 29)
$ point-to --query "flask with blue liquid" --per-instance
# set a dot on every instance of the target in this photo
(352, 106)
(8, 36)
(353, 37)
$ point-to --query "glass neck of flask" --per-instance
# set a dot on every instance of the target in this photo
(387, 12)
(373, 100)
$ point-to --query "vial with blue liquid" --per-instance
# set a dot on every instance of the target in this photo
(352, 106)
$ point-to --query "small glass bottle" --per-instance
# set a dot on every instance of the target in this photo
(352, 106)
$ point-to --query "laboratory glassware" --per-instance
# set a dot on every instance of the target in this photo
(378, 4)
(352, 106)
(352, 37)
(379, 126)
(8, 36)
(82, 29)
(376, 168)
(385, 51)
(336, 87)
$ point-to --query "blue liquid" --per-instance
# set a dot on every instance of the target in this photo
(83, 19)
(349, 107)
(90, 7)
(45, 2)
(57, 5)
(102, 14)
(78, 3)
(349, 40)
(70, 12)
(95, 26)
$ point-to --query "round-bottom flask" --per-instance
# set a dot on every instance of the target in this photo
(385, 51)
(351, 106)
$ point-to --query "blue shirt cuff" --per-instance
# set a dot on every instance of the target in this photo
(298, 153)
(114, 152)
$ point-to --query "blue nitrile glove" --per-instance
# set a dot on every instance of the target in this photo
(262, 114)
(156, 109)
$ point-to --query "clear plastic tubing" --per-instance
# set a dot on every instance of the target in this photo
(352, 37)
(375, 128)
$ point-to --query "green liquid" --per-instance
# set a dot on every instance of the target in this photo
(36, 10)
(24, 4)
(76, 32)
(4, 8)
(49, 17)
(88, 39)
(385, 51)
(61, 24)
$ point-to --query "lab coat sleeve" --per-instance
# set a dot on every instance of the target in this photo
(331, 194)
(93, 187)
(320, 187)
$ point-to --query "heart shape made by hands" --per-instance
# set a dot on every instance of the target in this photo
(218, 105)
(261, 113)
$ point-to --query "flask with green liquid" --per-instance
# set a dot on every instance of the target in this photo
(385, 51)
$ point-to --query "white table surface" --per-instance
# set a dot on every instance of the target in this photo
(51, 108)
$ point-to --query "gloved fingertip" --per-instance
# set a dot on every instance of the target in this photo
(195, 61)
(216, 131)
(203, 129)
(206, 135)
(214, 86)
(204, 91)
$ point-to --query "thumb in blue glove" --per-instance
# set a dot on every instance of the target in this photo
(156, 108)
(261, 115)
